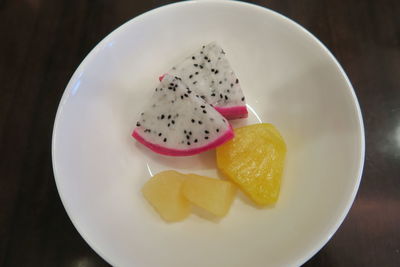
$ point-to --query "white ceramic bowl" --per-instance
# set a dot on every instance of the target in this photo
(290, 79)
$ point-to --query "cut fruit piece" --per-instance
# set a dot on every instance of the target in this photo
(209, 74)
(213, 195)
(177, 122)
(163, 191)
(254, 160)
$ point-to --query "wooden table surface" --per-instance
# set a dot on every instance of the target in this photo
(43, 42)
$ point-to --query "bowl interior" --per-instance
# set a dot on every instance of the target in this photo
(289, 79)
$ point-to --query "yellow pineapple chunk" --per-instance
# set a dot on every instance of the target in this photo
(164, 193)
(254, 160)
(213, 195)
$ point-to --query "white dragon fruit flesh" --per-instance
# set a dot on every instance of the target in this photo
(210, 75)
(178, 122)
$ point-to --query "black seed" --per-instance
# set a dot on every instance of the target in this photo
(171, 84)
(187, 88)
(189, 92)
(174, 89)
(188, 143)
(142, 114)
(165, 140)
(242, 98)
(220, 82)
(162, 116)
(193, 58)
(207, 132)
(202, 106)
(190, 76)
(177, 115)
(217, 130)
(187, 137)
(184, 131)
(195, 65)
(193, 121)
(160, 89)
(181, 96)
(201, 52)
(173, 122)
(201, 66)
(195, 140)
(197, 95)
(204, 111)
(170, 88)
(197, 73)
(190, 133)
(156, 89)
(203, 96)
(159, 134)
(227, 91)
(200, 122)
(221, 96)
(206, 137)
(169, 124)
(231, 84)
(194, 82)
(226, 98)
(169, 116)
(206, 58)
(138, 124)
(172, 101)
(237, 80)
(216, 71)
(209, 60)
(204, 46)
(186, 95)
(212, 70)
(212, 94)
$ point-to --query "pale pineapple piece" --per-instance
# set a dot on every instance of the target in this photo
(213, 195)
(164, 193)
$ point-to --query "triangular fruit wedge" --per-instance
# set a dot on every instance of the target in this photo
(213, 195)
(209, 74)
(177, 122)
(163, 191)
(254, 160)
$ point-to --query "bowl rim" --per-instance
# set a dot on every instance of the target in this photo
(237, 4)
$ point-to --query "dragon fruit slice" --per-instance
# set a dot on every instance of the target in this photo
(178, 122)
(210, 75)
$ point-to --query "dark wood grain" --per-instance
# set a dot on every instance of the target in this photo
(43, 41)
